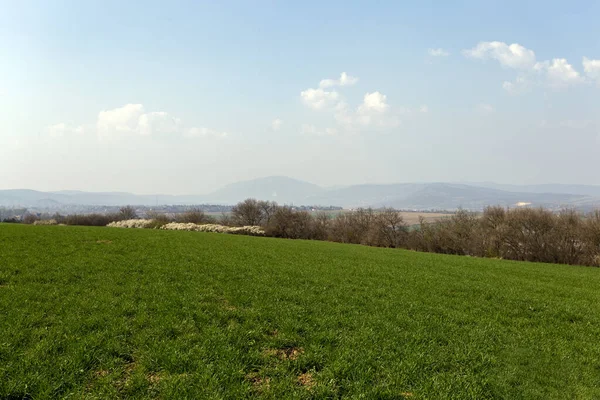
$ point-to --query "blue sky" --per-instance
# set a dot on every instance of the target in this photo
(183, 97)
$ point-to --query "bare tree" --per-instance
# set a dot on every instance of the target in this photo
(289, 223)
(195, 216)
(388, 229)
(127, 212)
(248, 212)
(30, 218)
(268, 209)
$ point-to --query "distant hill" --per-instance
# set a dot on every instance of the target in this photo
(284, 190)
(586, 190)
(33, 198)
(451, 196)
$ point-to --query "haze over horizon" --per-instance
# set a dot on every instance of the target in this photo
(287, 180)
(184, 98)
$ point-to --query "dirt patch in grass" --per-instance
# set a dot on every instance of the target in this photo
(125, 378)
(288, 353)
(307, 380)
(259, 383)
(406, 394)
(228, 306)
(154, 378)
(101, 373)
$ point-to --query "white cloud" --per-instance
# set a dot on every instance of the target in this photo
(345, 80)
(319, 99)
(372, 112)
(559, 73)
(592, 69)
(131, 119)
(438, 52)
(119, 120)
(276, 124)
(511, 56)
(520, 85)
(374, 102)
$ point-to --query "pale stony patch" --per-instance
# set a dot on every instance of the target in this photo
(46, 222)
(131, 223)
(239, 230)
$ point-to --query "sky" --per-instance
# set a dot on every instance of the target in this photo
(185, 97)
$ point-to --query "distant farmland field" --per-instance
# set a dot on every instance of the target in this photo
(116, 313)
(410, 217)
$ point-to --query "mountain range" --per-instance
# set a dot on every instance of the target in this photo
(284, 190)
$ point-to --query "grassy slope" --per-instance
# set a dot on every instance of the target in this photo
(105, 313)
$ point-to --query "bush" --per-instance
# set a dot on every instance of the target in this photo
(388, 229)
(590, 228)
(30, 218)
(252, 212)
(352, 227)
(291, 224)
(127, 212)
(91, 219)
(157, 219)
(195, 216)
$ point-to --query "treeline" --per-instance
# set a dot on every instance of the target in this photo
(192, 215)
(93, 219)
(523, 234)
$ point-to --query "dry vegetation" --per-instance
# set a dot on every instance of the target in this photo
(415, 217)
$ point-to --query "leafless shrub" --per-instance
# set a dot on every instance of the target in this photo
(286, 222)
(248, 212)
(388, 229)
(352, 227)
(591, 237)
(528, 235)
(127, 212)
(91, 219)
(195, 216)
(30, 218)
(158, 219)
(494, 226)
(321, 223)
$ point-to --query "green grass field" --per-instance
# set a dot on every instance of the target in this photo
(114, 313)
